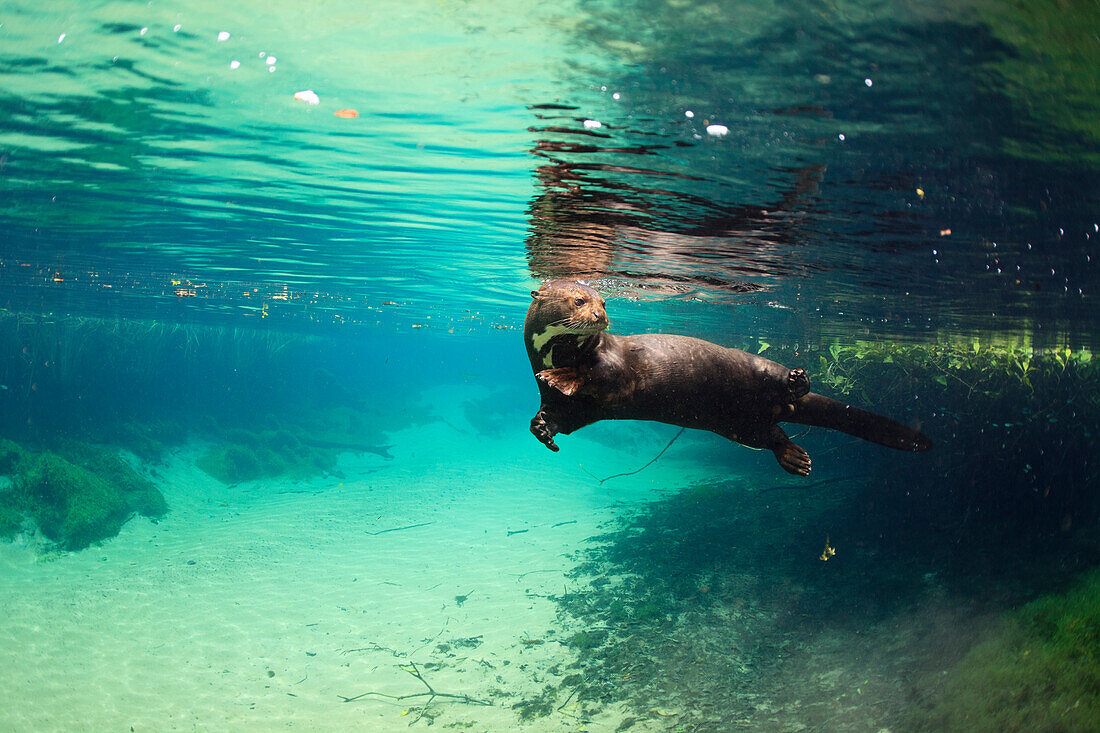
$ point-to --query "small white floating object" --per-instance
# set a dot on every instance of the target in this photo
(689, 114)
(61, 37)
(868, 82)
(271, 60)
(234, 64)
(592, 124)
(717, 130)
(223, 36)
(308, 96)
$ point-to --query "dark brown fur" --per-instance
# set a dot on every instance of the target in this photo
(585, 375)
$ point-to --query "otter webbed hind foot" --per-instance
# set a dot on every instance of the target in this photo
(798, 382)
(793, 459)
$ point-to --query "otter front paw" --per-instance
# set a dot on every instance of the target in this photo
(544, 430)
(798, 383)
(564, 379)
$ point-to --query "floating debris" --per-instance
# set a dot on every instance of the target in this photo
(308, 96)
(717, 130)
(346, 114)
(592, 124)
(223, 36)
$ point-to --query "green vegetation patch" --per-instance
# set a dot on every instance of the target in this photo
(1036, 410)
(77, 495)
(1041, 671)
(71, 505)
(11, 521)
(246, 456)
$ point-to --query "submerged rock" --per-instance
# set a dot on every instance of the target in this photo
(77, 497)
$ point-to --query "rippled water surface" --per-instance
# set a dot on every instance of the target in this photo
(879, 166)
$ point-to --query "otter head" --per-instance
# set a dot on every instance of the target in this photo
(562, 314)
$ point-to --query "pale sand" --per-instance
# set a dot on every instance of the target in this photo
(256, 607)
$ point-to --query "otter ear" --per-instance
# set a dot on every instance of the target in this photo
(534, 293)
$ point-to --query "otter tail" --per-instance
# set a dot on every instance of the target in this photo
(821, 411)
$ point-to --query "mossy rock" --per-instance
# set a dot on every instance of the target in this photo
(230, 463)
(139, 494)
(78, 495)
(11, 519)
(12, 457)
(73, 506)
(148, 440)
(249, 456)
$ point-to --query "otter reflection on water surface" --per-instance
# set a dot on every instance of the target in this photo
(597, 217)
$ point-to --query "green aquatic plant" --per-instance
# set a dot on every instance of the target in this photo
(246, 455)
(12, 457)
(1036, 409)
(587, 640)
(230, 463)
(77, 493)
(1040, 670)
(138, 493)
(71, 505)
(11, 519)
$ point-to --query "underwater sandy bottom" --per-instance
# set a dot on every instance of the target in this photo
(259, 606)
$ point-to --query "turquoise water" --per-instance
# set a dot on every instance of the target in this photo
(276, 307)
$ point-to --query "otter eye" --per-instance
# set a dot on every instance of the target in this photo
(578, 301)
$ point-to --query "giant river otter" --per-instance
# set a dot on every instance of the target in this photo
(586, 374)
